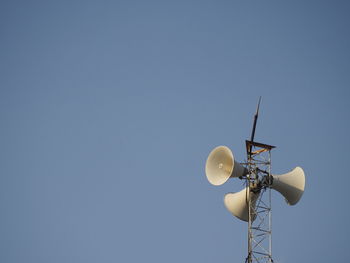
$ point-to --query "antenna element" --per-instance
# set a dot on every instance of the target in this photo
(254, 125)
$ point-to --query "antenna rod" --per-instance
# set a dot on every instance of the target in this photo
(254, 125)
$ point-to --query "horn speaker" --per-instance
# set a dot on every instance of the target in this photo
(221, 165)
(237, 203)
(291, 185)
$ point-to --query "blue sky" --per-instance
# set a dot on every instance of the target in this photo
(110, 108)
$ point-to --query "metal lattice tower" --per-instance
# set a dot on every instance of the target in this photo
(253, 203)
(258, 181)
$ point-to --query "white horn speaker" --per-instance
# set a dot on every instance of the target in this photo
(291, 185)
(237, 203)
(221, 165)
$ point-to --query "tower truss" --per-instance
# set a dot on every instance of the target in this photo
(258, 182)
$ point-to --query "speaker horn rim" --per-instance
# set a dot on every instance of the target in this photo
(214, 180)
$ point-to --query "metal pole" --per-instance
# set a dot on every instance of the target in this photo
(249, 258)
(270, 207)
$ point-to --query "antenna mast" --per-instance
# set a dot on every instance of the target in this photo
(259, 215)
(254, 124)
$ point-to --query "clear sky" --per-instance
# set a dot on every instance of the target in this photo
(109, 110)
